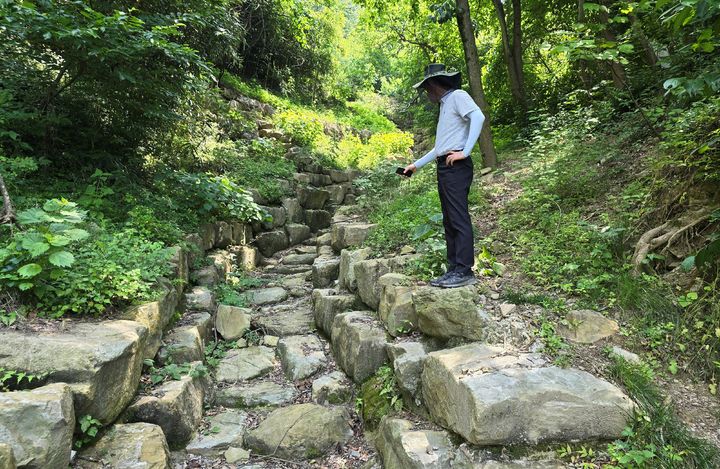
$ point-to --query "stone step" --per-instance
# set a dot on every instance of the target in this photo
(348, 259)
(301, 356)
(38, 425)
(245, 364)
(312, 198)
(286, 319)
(300, 432)
(129, 445)
(327, 304)
(333, 388)
(358, 344)
(175, 406)
(325, 271)
(265, 296)
(317, 219)
(228, 429)
(493, 396)
(345, 235)
(255, 394)
(400, 446)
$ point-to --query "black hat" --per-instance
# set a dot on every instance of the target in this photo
(439, 70)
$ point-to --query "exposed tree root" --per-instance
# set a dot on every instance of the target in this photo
(663, 237)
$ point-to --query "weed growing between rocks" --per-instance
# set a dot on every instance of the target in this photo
(379, 396)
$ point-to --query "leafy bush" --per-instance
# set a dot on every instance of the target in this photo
(111, 270)
(304, 126)
(363, 117)
(212, 197)
(40, 253)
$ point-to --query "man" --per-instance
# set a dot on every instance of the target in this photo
(457, 132)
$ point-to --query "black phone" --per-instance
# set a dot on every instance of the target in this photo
(401, 172)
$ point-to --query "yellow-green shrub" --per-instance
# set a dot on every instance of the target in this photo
(305, 127)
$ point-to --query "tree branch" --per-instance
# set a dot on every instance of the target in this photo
(429, 50)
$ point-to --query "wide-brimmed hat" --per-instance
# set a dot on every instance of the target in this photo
(439, 70)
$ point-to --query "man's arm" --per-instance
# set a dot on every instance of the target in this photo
(477, 119)
(421, 162)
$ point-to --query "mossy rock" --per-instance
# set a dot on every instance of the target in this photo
(375, 404)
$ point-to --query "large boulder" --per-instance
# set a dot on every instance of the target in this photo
(407, 360)
(262, 394)
(155, 316)
(244, 364)
(223, 234)
(224, 261)
(294, 210)
(367, 275)
(325, 271)
(183, 345)
(300, 259)
(491, 396)
(301, 356)
(38, 425)
(247, 257)
(397, 309)
(358, 343)
(101, 362)
(345, 235)
(271, 242)
(130, 446)
(327, 304)
(301, 431)
(241, 233)
(200, 299)
(587, 327)
(7, 457)
(227, 430)
(337, 193)
(207, 276)
(403, 448)
(311, 198)
(333, 388)
(317, 219)
(207, 234)
(297, 233)
(348, 258)
(176, 406)
(232, 322)
(279, 217)
(339, 176)
(451, 312)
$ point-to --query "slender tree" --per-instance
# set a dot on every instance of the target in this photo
(474, 70)
(512, 50)
(616, 68)
(583, 64)
(8, 211)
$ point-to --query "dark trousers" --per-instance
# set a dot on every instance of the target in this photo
(454, 186)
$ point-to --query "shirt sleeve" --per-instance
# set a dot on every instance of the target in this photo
(477, 119)
(464, 104)
(425, 159)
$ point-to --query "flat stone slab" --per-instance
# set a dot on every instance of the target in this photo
(301, 356)
(401, 447)
(262, 394)
(299, 259)
(286, 320)
(226, 429)
(301, 431)
(265, 296)
(182, 345)
(358, 343)
(200, 299)
(587, 327)
(101, 362)
(38, 425)
(176, 406)
(345, 235)
(491, 396)
(244, 364)
(129, 446)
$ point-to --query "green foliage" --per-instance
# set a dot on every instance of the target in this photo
(88, 430)
(655, 435)
(555, 345)
(94, 199)
(304, 126)
(111, 270)
(229, 295)
(379, 396)
(213, 197)
(40, 253)
(13, 380)
(7, 319)
(379, 147)
(173, 371)
(216, 351)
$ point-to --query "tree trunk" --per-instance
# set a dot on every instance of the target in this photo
(650, 56)
(518, 50)
(510, 51)
(616, 68)
(8, 212)
(582, 64)
(475, 78)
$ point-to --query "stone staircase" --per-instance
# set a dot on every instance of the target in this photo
(282, 384)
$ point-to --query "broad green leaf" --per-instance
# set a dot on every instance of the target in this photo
(62, 259)
(688, 264)
(58, 240)
(76, 234)
(25, 286)
(29, 270)
(32, 216)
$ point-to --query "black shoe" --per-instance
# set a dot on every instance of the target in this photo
(458, 280)
(437, 281)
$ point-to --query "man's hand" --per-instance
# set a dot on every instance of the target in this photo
(453, 157)
(411, 168)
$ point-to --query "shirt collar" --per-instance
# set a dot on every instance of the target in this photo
(444, 97)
